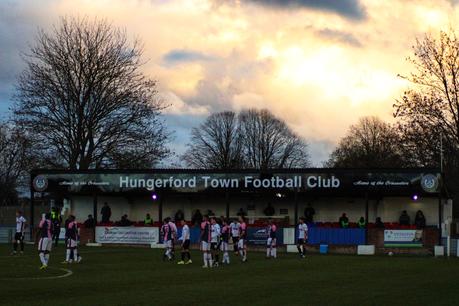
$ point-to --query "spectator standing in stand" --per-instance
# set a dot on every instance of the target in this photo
(89, 223)
(148, 220)
(404, 218)
(361, 223)
(106, 213)
(343, 221)
(309, 213)
(179, 216)
(197, 217)
(379, 223)
(420, 220)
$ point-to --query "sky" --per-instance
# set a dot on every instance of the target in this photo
(318, 65)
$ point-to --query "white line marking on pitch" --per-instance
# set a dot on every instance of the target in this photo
(67, 274)
(85, 251)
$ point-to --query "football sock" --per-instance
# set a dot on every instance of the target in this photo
(42, 258)
(204, 256)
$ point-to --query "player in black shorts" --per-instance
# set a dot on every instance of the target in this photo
(225, 234)
(215, 240)
(19, 235)
(185, 239)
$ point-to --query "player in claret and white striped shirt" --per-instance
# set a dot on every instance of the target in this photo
(185, 239)
(225, 234)
(242, 244)
(271, 244)
(46, 242)
(166, 232)
(205, 242)
(19, 235)
(72, 241)
(173, 229)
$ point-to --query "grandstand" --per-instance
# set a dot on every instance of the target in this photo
(383, 193)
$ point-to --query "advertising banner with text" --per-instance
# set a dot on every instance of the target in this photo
(127, 235)
(324, 181)
(403, 238)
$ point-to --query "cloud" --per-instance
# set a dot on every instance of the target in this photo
(19, 21)
(320, 151)
(307, 61)
(350, 9)
(339, 36)
(181, 55)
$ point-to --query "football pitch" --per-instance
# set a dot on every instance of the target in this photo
(138, 276)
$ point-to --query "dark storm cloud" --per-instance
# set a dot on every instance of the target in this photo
(351, 9)
(339, 36)
(19, 21)
(182, 55)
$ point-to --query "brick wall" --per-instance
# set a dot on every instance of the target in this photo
(86, 235)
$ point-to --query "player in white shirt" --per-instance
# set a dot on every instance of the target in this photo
(302, 237)
(185, 240)
(19, 235)
(214, 240)
(235, 227)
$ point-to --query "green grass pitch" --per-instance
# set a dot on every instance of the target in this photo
(138, 276)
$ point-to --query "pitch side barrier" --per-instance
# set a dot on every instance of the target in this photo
(255, 235)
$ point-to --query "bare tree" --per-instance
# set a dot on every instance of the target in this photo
(432, 104)
(369, 143)
(268, 142)
(83, 97)
(15, 160)
(216, 143)
(428, 112)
